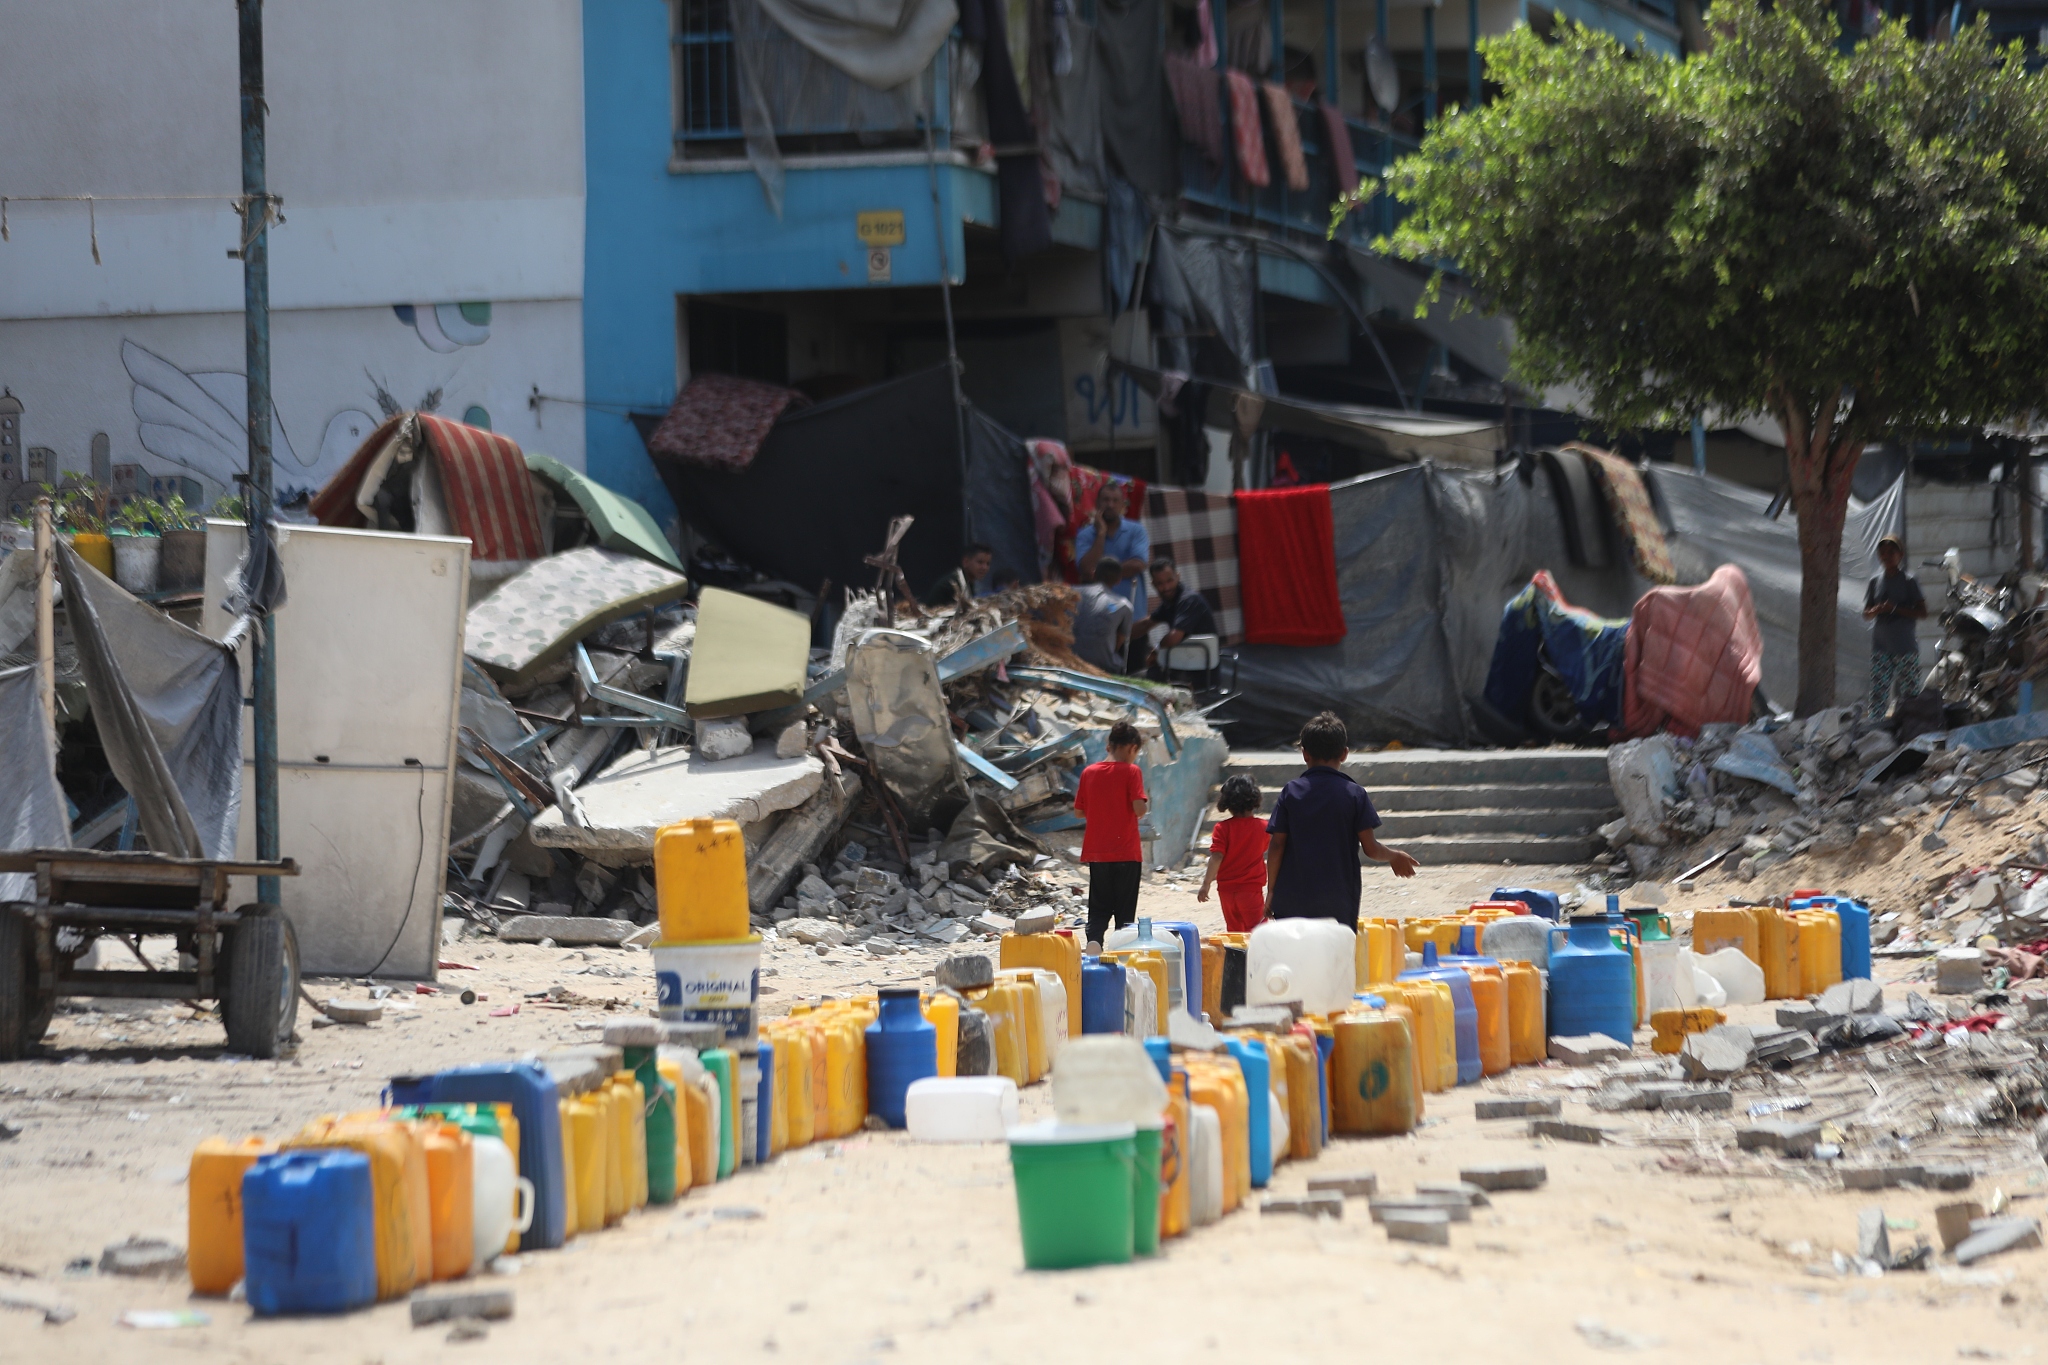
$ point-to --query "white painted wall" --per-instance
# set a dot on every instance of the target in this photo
(428, 155)
(168, 390)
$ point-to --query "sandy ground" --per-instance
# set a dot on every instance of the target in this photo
(1661, 1246)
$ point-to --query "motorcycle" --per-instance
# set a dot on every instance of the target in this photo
(1991, 640)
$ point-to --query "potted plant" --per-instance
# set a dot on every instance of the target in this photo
(183, 568)
(138, 549)
(81, 510)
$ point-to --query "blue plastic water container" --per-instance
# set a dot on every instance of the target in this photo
(1102, 996)
(530, 1090)
(764, 1101)
(1258, 1089)
(1592, 982)
(1542, 903)
(309, 1240)
(903, 1046)
(1190, 958)
(1855, 938)
(1325, 1045)
(1464, 1011)
(1161, 1052)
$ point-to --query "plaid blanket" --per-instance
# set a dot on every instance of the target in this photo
(719, 421)
(1198, 532)
(490, 494)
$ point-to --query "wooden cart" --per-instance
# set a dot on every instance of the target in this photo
(246, 958)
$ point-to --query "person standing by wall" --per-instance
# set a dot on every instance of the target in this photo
(1893, 603)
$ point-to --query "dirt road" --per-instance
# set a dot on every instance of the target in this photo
(1663, 1245)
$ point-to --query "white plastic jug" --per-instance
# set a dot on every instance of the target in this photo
(1205, 1171)
(1665, 987)
(1276, 1118)
(1519, 938)
(1742, 979)
(1310, 960)
(1168, 946)
(1706, 991)
(1141, 1004)
(1052, 1008)
(960, 1108)
(503, 1202)
(1106, 1078)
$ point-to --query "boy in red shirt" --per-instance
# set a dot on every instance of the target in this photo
(1111, 798)
(1237, 857)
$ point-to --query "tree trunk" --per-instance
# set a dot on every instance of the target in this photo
(1820, 463)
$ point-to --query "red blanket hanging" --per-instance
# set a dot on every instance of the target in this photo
(1287, 567)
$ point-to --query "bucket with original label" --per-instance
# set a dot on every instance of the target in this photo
(712, 983)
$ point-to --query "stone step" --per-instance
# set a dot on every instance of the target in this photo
(1412, 824)
(1592, 798)
(1437, 767)
(1441, 850)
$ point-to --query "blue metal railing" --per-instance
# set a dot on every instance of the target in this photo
(1222, 188)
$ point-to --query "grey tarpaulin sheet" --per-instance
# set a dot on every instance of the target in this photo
(1426, 558)
(998, 495)
(1715, 523)
(881, 43)
(1206, 283)
(33, 812)
(1073, 122)
(1137, 128)
(168, 704)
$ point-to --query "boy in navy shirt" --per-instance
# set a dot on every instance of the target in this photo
(1320, 822)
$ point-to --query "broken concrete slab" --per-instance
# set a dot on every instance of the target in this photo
(1719, 1054)
(567, 931)
(1363, 1184)
(650, 788)
(1873, 1241)
(1958, 971)
(1947, 1178)
(1953, 1221)
(1430, 1227)
(1782, 1137)
(811, 932)
(1526, 1175)
(1852, 997)
(989, 922)
(1473, 1195)
(493, 1304)
(1878, 1177)
(967, 971)
(1386, 1206)
(1801, 1014)
(1568, 1132)
(1036, 921)
(1589, 1049)
(1691, 1101)
(1518, 1109)
(1990, 1236)
(1312, 1204)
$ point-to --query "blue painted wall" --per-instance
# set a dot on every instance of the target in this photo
(652, 234)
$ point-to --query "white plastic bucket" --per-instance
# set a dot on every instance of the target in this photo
(960, 1108)
(711, 983)
(136, 562)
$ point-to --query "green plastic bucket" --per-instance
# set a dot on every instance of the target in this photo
(1149, 1140)
(1076, 1184)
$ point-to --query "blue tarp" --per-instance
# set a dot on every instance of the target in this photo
(1585, 650)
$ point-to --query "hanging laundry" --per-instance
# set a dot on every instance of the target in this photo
(1196, 101)
(1337, 141)
(1246, 134)
(1287, 567)
(1286, 135)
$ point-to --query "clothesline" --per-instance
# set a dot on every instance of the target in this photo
(273, 203)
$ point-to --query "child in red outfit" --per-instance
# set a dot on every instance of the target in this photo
(1237, 857)
(1111, 799)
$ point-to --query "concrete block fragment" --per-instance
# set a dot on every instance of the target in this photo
(724, 738)
(1949, 1178)
(1430, 1227)
(813, 931)
(1390, 1206)
(624, 1033)
(967, 971)
(1567, 1132)
(1878, 1177)
(1782, 1137)
(1518, 1109)
(1312, 1204)
(989, 922)
(1958, 971)
(1800, 1014)
(1719, 1054)
(1690, 1101)
(491, 1304)
(1953, 1221)
(1990, 1236)
(1873, 1241)
(946, 931)
(1036, 922)
(1527, 1175)
(1852, 997)
(1473, 1195)
(1360, 1183)
(568, 931)
(1588, 1049)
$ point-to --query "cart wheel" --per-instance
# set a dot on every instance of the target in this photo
(24, 1012)
(259, 972)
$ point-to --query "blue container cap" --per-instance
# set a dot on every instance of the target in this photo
(1378, 1002)
(1162, 1056)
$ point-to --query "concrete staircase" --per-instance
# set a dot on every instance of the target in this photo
(1468, 806)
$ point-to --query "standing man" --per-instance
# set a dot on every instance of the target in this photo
(1892, 603)
(1182, 610)
(1111, 535)
(1102, 619)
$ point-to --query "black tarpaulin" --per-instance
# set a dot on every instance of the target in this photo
(1137, 132)
(819, 495)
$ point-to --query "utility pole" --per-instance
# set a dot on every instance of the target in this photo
(257, 491)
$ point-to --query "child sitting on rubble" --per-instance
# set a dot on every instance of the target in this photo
(1237, 857)
(1111, 798)
(1321, 821)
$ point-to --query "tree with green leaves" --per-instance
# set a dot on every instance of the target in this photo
(1852, 240)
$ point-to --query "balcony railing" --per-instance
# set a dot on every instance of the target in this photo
(1223, 189)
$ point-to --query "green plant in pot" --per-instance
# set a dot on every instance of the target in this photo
(183, 567)
(138, 549)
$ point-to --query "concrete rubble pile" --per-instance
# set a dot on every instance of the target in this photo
(1739, 802)
(909, 787)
